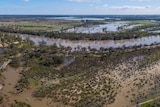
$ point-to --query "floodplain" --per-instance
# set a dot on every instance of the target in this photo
(79, 62)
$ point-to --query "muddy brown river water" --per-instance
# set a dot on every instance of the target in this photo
(94, 44)
(11, 77)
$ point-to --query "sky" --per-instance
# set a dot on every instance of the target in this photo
(79, 7)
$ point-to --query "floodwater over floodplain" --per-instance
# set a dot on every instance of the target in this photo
(97, 44)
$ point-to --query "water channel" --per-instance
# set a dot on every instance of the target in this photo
(94, 44)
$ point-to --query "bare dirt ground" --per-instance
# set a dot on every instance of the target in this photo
(135, 86)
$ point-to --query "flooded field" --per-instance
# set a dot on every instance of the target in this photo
(132, 26)
(156, 31)
(11, 77)
(68, 60)
(76, 18)
(94, 44)
(101, 28)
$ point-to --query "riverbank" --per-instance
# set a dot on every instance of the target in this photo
(3, 46)
(98, 45)
(4, 65)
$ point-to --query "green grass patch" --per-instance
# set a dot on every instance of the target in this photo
(39, 26)
(148, 104)
(20, 104)
(143, 22)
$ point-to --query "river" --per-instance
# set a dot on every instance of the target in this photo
(94, 44)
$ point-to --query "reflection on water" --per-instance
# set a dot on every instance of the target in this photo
(156, 31)
(68, 60)
(77, 18)
(132, 26)
(112, 26)
(95, 44)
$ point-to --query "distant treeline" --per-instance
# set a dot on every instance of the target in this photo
(122, 17)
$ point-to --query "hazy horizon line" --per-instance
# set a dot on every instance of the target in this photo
(76, 14)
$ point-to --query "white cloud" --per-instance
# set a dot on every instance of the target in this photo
(26, 0)
(125, 7)
(129, 7)
(97, 1)
(140, 0)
